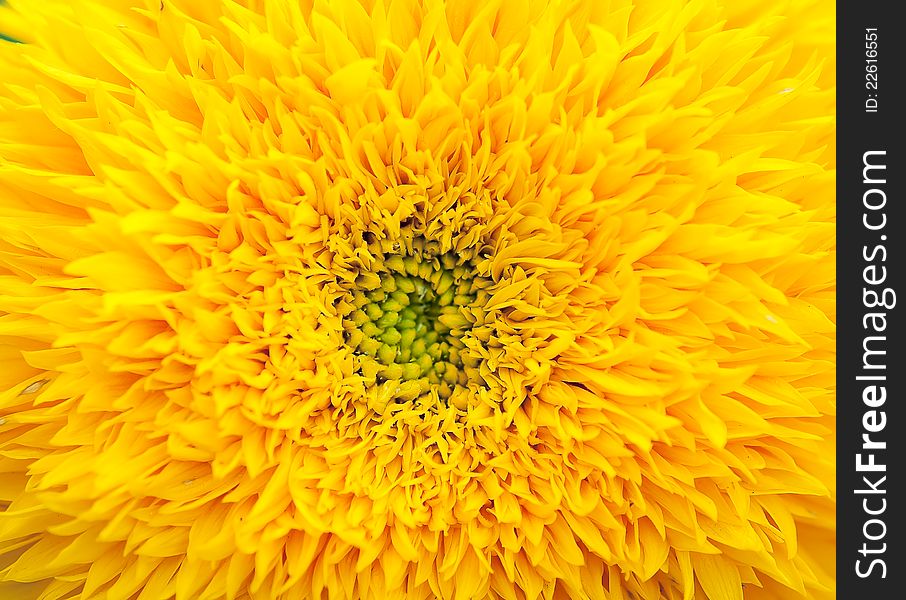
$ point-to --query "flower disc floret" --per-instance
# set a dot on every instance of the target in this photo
(407, 319)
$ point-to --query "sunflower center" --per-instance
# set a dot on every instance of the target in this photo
(407, 325)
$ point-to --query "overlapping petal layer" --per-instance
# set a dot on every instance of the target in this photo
(390, 299)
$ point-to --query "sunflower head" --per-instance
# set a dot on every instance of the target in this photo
(416, 299)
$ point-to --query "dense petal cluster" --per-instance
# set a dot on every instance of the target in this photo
(411, 298)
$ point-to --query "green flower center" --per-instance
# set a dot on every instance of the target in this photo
(407, 325)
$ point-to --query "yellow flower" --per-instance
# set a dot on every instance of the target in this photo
(417, 299)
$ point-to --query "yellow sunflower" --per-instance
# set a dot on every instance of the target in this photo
(377, 299)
